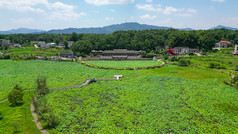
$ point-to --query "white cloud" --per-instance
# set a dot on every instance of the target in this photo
(22, 5)
(184, 12)
(63, 12)
(169, 10)
(108, 2)
(55, 10)
(112, 10)
(109, 18)
(147, 16)
(149, 0)
(148, 8)
(218, 1)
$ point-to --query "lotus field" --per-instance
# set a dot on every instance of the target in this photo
(170, 99)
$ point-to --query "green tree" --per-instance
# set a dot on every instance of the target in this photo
(183, 62)
(82, 47)
(74, 37)
(41, 88)
(66, 45)
(15, 95)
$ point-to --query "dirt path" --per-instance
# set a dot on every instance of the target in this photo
(38, 124)
(3, 101)
(137, 72)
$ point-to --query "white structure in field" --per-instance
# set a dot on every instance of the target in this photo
(118, 76)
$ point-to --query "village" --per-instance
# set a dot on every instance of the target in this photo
(116, 54)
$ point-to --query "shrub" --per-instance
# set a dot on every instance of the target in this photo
(184, 62)
(235, 80)
(15, 95)
(236, 68)
(216, 65)
(166, 56)
(173, 59)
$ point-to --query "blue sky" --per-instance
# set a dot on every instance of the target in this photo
(59, 14)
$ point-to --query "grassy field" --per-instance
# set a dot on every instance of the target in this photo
(230, 62)
(17, 119)
(123, 64)
(171, 99)
(34, 51)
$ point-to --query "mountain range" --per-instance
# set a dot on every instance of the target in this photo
(220, 26)
(101, 30)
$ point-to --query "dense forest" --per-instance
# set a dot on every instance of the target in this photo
(145, 40)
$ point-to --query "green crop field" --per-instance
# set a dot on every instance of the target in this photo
(123, 64)
(230, 62)
(34, 51)
(171, 99)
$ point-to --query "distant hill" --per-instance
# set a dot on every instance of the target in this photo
(109, 29)
(22, 31)
(220, 26)
(102, 30)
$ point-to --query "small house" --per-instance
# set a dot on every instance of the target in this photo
(41, 44)
(223, 44)
(193, 50)
(66, 54)
(6, 42)
(17, 45)
(179, 50)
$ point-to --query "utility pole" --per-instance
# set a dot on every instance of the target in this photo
(25, 112)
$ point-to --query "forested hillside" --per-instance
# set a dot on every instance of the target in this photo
(136, 40)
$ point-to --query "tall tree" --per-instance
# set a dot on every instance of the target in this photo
(41, 88)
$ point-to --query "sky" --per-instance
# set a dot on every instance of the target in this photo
(60, 14)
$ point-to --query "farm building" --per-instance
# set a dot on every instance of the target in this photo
(179, 50)
(66, 54)
(223, 44)
(17, 45)
(41, 44)
(119, 54)
(5, 42)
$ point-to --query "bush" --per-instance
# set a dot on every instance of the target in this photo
(148, 55)
(23, 57)
(15, 95)
(236, 68)
(172, 59)
(236, 83)
(235, 80)
(216, 65)
(165, 56)
(184, 62)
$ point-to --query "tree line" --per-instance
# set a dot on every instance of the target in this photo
(145, 40)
